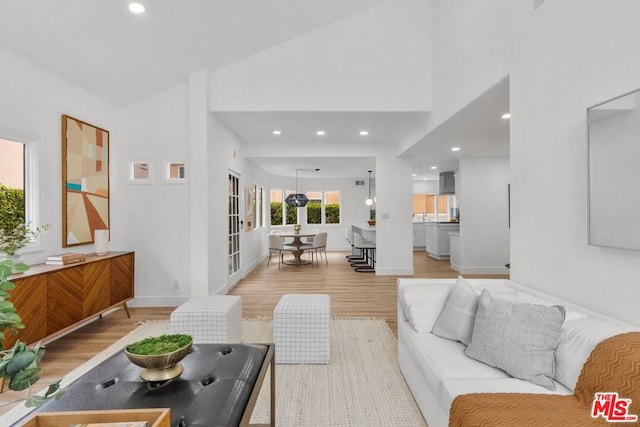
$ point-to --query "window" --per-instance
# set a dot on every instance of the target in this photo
(332, 207)
(255, 207)
(323, 207)
(314, 207)
(12, 204)
(276, 207)
(281, 213)
(19, 181)
(291, 217)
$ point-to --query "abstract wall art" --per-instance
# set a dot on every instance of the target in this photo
(85, 181)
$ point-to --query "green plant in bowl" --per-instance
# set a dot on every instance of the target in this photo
(159, 356)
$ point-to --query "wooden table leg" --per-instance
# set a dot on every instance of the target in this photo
(126, 308)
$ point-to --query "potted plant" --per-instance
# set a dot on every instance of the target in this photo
(15, 236)
(160, 356)
(19, 364)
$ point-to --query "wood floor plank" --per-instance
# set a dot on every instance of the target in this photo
(352, 294)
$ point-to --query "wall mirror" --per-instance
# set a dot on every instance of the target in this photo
(614, 172)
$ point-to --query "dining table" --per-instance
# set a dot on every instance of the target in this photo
(297, 243)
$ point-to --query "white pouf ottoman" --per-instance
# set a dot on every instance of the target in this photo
(301, 329)
(209, 319)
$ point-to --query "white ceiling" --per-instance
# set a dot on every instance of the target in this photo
(99, 46)
(340, 127)
(330, 167)
(478, 130)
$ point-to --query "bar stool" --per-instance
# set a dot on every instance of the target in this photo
(359, 258)
(368, 249)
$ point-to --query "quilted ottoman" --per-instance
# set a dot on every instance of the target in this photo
(209, 319)
(301, 329)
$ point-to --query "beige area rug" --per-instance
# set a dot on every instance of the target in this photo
(362, 386)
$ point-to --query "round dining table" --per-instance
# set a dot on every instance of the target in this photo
(298, 251)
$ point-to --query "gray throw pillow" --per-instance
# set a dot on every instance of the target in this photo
(520, 339)
(457, 317)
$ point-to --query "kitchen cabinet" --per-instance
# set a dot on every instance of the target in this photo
(437, 242)
(418, 235)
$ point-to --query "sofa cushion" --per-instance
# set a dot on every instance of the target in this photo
(422, 304)
(440, 358)
(456, 319)
(450, 388)
(577, 340)
(517, 338)
(524, 297)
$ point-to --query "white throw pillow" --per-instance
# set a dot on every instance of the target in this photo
(457, 317)
(518, 338)
(422, 304)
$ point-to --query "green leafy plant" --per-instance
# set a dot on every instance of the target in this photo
(19, 364)
(276, 213)
(159, 345)
(15, 237)
(15, 233)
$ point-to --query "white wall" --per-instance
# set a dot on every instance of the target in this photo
(153, 219)
(471, 50)
(568, 55)
(482, 193)
(31, 106)
(366, 62)
(426, 187)
(394, 214)
(254, 242)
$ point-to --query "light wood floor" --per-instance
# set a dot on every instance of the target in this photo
(352, 294)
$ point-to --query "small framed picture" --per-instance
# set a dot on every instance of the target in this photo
(175, 173)
(140, 173)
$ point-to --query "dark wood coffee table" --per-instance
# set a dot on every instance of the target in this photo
(219, 386)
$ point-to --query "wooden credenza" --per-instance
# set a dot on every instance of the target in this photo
(53, 299)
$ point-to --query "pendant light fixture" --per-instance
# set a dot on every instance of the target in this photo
(298, 200)
(369, 200)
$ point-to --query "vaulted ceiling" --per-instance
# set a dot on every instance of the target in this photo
(100, 46)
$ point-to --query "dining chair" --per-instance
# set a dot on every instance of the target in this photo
(276, 244)
(309, 239)
(319, 244)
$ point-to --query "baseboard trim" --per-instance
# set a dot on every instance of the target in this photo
(394, 271)
(162, 301)
(479, 270)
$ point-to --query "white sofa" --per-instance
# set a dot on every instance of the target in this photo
(437, 370)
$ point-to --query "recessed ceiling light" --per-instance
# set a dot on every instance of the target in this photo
(136, 8)
(434, 167)
(277, 132)
(506, 116)
(364, 132)
(320, 133)
(413, 174)
(455, 148)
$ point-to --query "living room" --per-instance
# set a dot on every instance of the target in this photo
(412, 56)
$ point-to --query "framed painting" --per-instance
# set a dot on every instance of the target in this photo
(249, 206)
(85, 181)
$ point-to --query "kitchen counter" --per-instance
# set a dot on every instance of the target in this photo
(437, 238)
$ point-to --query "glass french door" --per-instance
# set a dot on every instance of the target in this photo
(234, 224)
